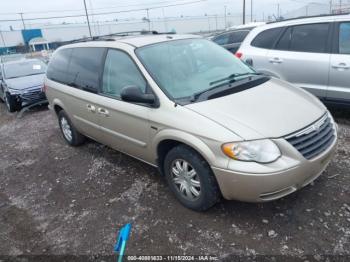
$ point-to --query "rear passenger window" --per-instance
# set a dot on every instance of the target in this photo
(267, 38)
(344, 38)
(85, 67)
(57, 69)
(309, 38)
(120, 71)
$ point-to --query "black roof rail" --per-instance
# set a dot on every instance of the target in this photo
(109, 37)
(305, 17)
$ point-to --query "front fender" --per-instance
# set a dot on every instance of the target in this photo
(212, 157)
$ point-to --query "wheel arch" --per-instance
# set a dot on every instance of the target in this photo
(168, 139)
(57, 106)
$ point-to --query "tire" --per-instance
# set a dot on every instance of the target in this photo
(185, 185)
(69, 132)
(11, 103)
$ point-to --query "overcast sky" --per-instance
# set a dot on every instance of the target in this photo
(45, 8)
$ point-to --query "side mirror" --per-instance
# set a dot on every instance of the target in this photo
(135, 95)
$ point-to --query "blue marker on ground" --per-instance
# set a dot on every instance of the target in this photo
(121, 241)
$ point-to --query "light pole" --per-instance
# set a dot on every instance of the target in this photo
(24, 26)
(225, 17)
(149, 21)
(251, 10)
(243, 11)
(87, 18)
(2, 38)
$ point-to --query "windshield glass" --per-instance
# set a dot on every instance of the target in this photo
(24, 68)
(184, 68)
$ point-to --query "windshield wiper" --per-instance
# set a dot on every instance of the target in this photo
(231, 79)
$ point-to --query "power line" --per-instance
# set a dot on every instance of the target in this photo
(100, 8)
(102, 13)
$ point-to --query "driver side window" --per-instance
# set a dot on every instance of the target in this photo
(120, 71)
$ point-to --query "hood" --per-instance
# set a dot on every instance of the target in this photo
(25, 82)
(271, 110)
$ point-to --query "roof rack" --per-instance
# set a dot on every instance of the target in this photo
(109, 37)
(305, 17)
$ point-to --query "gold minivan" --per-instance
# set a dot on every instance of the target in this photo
(211, 124)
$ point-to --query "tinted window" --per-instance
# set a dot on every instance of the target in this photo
(222, 39)
(120, 71)
(344, 38)
(309, 38)
(238, 37)
(267, 38)
(283, 43)
(85, 67)
(58, 66)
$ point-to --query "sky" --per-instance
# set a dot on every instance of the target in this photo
(44, 8)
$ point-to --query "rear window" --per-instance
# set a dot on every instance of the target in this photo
(267, 38)
(239, 36)
(85, 67)
(222, 39)
(57, 69)
(309, 38)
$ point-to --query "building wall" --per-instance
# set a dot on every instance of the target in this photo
(61, 33)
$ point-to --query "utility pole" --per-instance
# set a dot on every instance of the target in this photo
(243, 11)
(330, 7)
(149, 21)
(278, 11)
(225, 17)
(340, 7)
(251, 10)
(87, 18)
(2, 39)
(24, 26)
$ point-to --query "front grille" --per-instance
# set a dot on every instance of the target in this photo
(314, 139)
(33, 96)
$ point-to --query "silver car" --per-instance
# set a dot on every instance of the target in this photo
(210, 124)
(312, 53)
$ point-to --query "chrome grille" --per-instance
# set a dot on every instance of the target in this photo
(314, 139)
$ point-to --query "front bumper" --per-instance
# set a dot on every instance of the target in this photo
(260, 187)
(27, 97)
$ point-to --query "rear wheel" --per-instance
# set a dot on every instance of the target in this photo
(11, 102)
(69, 132)
(190, 178)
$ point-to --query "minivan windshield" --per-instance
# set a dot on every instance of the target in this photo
(184, 68)
(24, 68)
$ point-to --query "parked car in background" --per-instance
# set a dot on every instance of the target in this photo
(232, 38)
(312, 53)
(22, 83)
(183, 104)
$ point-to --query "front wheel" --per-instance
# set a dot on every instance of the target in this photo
(11, 102)
(190, 178)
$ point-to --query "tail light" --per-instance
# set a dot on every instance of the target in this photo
(238, 55)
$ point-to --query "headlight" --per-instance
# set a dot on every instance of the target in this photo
(261, 151)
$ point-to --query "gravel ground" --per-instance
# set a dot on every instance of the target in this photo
(55, 199)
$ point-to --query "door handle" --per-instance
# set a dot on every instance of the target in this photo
(341, 66)
(91, 108)
(275, 60)
(103, 111)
